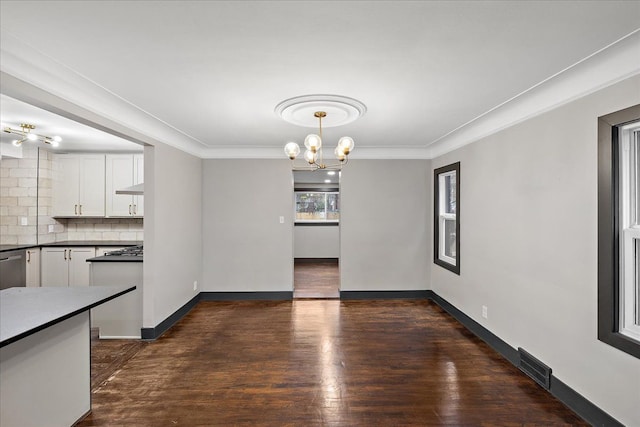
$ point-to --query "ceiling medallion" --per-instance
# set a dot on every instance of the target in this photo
(320, 110)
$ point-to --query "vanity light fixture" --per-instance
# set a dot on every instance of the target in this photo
(25, 134)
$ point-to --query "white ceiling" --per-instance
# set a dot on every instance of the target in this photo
(75, 136)
(212, 72)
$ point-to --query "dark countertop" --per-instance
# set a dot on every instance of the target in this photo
(25, 311)
(93, 243)
(116, 258)
(74, 243)
(7, 248)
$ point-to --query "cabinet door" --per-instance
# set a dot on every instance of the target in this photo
(138, 178)
(119, 175)
(54, 267)
(66, 186)
(79, 268)
(92, 181)
(33, 267)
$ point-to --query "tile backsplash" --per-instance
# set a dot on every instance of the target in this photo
(26, 194)
(95, 229)
(18, 198)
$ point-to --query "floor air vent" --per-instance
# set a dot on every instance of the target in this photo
(538, 371)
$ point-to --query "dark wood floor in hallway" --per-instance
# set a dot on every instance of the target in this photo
(321, 362)
(318, 278)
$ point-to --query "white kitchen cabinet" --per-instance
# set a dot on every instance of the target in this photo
(66, 266)
(79, 185)
(122, 171)
(33, 267)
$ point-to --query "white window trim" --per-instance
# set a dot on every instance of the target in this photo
(445, 217)
(629, 319)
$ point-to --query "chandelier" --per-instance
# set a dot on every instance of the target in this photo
(25, 134)
(319, 110)
(313, 143)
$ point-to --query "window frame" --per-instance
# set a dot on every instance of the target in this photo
(325, 191)
(609, 226)
(629, 229)
(440, 216)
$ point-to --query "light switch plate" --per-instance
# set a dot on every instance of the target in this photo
(281, 220)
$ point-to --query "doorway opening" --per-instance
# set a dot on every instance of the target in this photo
(316, 247)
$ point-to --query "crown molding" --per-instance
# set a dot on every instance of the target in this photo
(230, 152)
(611, 64)
(31, 76)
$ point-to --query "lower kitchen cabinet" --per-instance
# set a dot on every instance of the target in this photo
(66, 266)
(33, 267)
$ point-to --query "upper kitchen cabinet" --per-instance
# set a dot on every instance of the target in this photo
(79, 185)
(124, 170)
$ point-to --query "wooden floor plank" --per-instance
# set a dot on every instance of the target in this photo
(316, 279)
(321, 362)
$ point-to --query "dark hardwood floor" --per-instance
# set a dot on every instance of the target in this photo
(321, 362)
(108, 357)
(316, 279)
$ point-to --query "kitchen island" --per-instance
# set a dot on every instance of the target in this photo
(45, 366)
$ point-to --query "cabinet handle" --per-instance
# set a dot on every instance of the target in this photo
(129, 209)
(65, 254)
(75, 209)
(135, 209)
(28, 256)
(69, 254)
(80, 209)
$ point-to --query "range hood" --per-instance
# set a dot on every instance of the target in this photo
(134, 190)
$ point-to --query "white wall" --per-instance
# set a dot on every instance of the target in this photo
(246, 248)
(173, 231)
(385, 229)
(529, 246)
(313, 241)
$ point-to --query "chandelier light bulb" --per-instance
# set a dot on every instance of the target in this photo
(32, 136)
(346, 144)
(310, 157)
(313, 142)
(292, 150)
(54, 143)
(16, 143)
(57, 138)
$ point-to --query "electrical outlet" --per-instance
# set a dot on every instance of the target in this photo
(281, 220)
(484, 311)
(195, 285)
(51, 228)
(24, 220)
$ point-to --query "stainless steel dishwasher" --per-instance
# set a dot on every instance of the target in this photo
(13, 269)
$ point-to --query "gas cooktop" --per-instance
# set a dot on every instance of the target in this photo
(130, 251)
